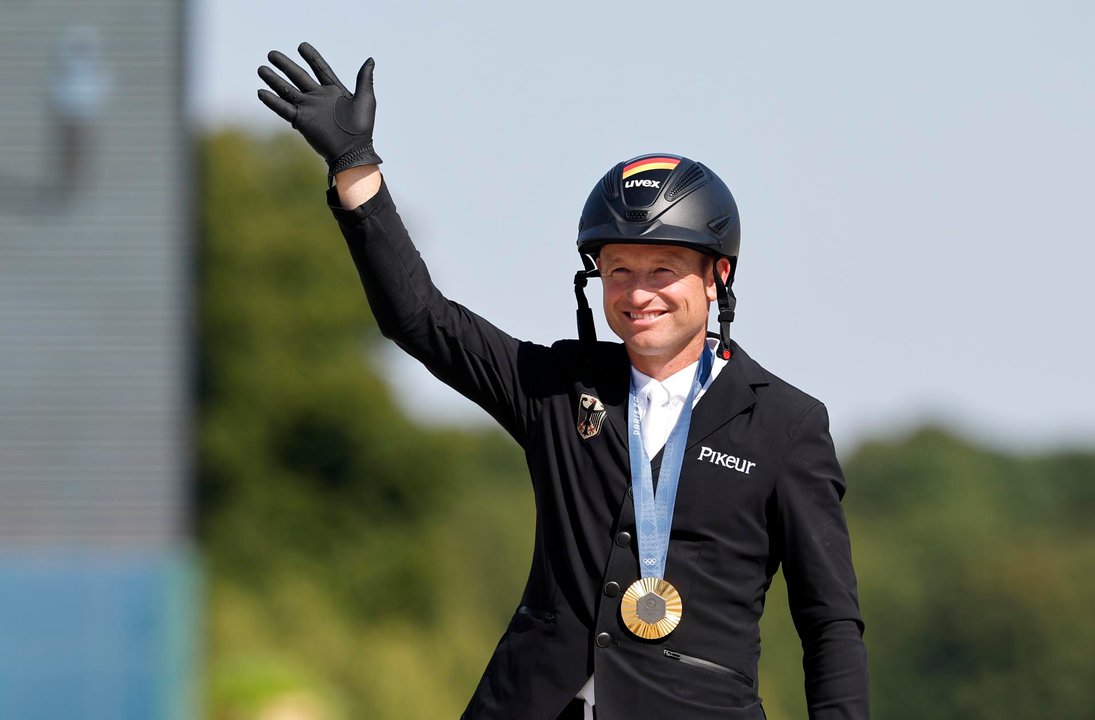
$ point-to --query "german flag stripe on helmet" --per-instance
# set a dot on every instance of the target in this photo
(650, 163)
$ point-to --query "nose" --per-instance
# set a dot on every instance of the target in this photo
(639, 291)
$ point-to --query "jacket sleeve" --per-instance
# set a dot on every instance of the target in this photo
(817, 565)
(460, 348)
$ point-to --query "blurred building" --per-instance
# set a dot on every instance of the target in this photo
(97, 574)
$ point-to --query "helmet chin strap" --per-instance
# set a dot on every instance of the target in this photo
(727, 304)
(587, 333)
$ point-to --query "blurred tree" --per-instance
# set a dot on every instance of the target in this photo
(975, 571)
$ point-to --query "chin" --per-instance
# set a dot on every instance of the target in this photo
(649, 347)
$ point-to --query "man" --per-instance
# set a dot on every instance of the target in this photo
(648, 578)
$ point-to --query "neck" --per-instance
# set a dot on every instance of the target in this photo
(660, 367)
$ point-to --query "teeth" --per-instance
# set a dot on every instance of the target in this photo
(643, 316)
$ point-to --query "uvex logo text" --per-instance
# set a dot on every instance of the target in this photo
(643, 183)
(728, 461)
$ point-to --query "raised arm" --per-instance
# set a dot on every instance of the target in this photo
(501, 374)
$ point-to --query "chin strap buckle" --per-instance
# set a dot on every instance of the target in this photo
(727, 305)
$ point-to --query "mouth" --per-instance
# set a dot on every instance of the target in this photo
(648, 315)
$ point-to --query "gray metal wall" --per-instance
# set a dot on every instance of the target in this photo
(96, 570)
(93, 274)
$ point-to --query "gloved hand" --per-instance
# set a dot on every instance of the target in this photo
(337, 124)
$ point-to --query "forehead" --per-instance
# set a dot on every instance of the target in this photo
(625, 253)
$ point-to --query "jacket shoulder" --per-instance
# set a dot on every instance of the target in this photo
(600, 348)
(602, 355)
(788, 401)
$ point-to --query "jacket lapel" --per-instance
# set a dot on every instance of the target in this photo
(729, 395)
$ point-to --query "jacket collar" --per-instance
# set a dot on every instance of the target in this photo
(730, 394)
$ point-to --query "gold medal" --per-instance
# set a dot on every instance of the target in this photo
(651, 608)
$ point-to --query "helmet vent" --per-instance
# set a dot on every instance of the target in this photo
(636, 215)
(717, 226)
(611, 183)
(690, 177)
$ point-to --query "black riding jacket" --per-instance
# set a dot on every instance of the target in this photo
(760, 488)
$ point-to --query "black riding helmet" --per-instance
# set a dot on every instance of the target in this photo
(660, 199)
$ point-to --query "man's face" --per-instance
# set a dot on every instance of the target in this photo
(656, 299)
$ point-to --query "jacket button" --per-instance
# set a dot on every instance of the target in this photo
(612, 589)
(604, 640)
(630, 491)
(623, 539)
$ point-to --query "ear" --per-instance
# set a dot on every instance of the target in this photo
(722, 266)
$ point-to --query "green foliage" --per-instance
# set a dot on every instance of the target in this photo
(363, 566)
(975, 579)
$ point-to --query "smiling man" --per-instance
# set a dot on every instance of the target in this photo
(673, 475)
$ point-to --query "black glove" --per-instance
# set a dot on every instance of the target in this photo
(337, 124)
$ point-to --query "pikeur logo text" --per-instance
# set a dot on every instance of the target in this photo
(726, 460)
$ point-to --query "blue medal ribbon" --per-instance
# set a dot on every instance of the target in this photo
(654, 513)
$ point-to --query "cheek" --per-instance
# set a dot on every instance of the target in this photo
(609, 306)
(608, 298)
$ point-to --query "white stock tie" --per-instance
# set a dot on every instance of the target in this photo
(656, 422)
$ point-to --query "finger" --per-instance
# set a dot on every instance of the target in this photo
(365, 79)
(282, 108)
(279, 85)
(320, 67)
(294, 72)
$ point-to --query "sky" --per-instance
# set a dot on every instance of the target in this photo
(914, 180)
